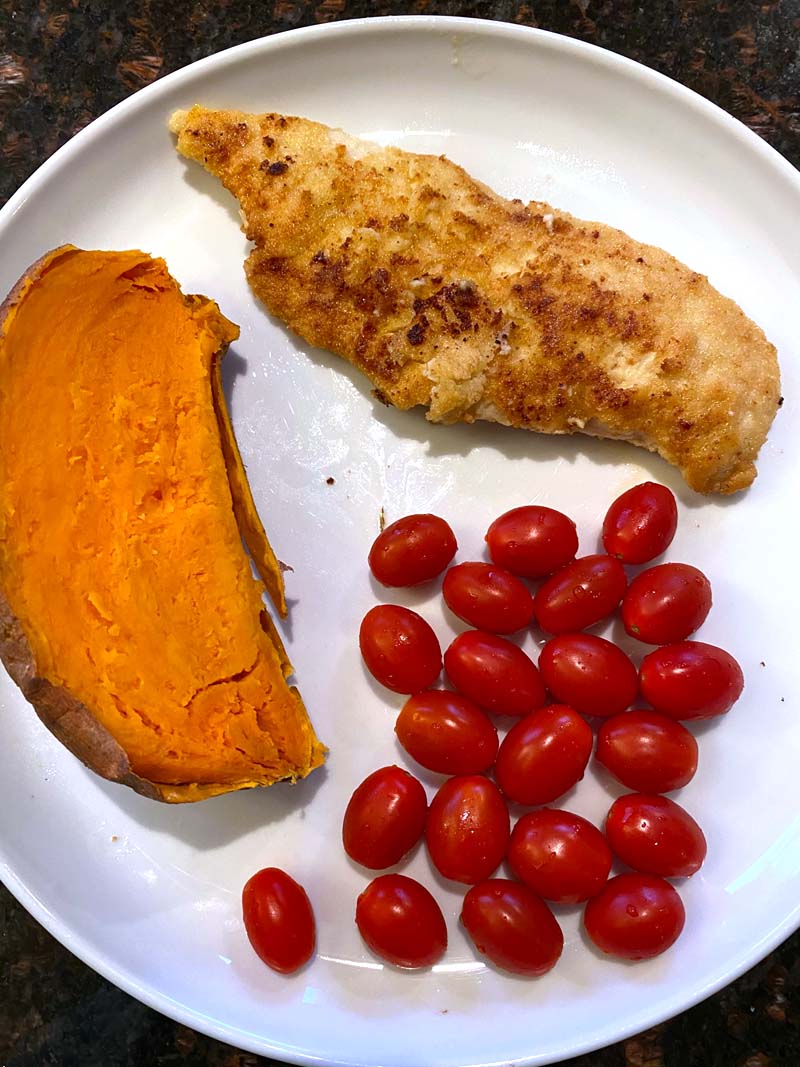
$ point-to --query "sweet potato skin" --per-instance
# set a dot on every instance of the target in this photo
(77, 729)
(70, 720)
(64, 716)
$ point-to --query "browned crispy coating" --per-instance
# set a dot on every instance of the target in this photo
(449, 296)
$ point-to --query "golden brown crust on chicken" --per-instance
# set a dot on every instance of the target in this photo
(449, 296)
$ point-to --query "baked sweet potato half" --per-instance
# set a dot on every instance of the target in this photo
(129, 613)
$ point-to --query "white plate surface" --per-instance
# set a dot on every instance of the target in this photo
(148, 894)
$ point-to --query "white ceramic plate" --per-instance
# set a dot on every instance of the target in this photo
(149, 895)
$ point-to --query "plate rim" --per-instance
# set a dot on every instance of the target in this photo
(79, 945)
(455, 23)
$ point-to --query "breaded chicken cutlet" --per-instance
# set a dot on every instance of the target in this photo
(448, 296)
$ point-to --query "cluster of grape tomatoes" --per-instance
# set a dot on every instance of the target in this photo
(556, 856)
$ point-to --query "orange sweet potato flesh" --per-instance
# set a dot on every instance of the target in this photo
(129, 614)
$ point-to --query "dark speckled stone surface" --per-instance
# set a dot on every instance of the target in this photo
(61, 65)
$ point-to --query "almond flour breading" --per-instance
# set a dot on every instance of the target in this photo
(448, 296)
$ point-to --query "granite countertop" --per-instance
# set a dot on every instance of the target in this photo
(64, 63)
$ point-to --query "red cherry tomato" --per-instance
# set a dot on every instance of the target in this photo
(495, 673)
(647, 751)
(401, 922)
(384, 818)
(635, 917)
(561, 856)
(666, 603)
(588, 673)
(532, 541)
(412, 550)
(655, 835)
(468, 829)
(641, 523)
(488, 597)
(543, 755)
(691, 680)
(580, 594)
(399, 648)
(447, 733)
(512, 927)
(278, 920)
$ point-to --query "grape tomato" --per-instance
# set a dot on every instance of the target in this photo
(399, 648)
(278, 920)
(561, 856)
(412, 550)
(401, 922)
(589, 673)
(655, 835)
(691, 680)
(468, 829)
(447, 733)
(512, 927)
(641, 523)
(543, 755)
(495, 673)
(646, 751)
(385, 818)
(635, 917)
(488, 597)
(532, 541)
(667, 603)
(580, 594)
